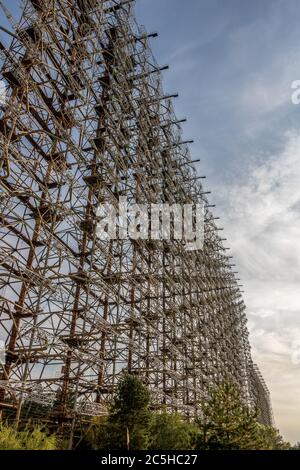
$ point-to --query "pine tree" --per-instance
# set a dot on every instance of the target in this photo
(271, 439)
(227, 423)
(127, 425)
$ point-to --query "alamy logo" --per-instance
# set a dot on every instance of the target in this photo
(152, 222)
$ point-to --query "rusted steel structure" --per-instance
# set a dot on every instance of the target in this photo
(261, 397)
(86, 121)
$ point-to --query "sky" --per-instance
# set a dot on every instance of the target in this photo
(233, 64)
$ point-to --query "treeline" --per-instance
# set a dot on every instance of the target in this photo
(225, 424)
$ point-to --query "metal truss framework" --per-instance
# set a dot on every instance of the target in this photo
(85, 121)
(261, 397)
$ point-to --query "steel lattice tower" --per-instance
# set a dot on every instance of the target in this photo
(86, 121)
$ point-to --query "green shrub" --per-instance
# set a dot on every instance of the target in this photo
(28, 439)
(171, 432)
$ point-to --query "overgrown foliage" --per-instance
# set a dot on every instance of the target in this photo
(171, 432)
(228, 424)
(27, 439)
(271, 439)
(127, 425)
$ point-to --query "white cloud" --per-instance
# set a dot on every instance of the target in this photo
(262, 223)
(270, 87)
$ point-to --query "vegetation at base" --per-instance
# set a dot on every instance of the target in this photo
(225, 424)
(28, 439)
(171, 432)
(228, 424)
(127, 425)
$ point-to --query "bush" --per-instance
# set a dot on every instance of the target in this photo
(171, 432)
(28, 439)
(9, 439)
